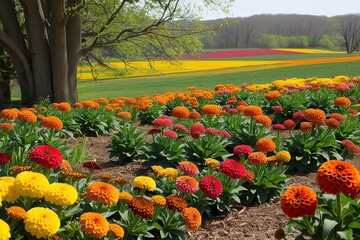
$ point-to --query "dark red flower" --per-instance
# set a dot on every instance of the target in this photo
(4, 158)
(232, 168)
(46, 156)
(277, 108)
(154, 131)
(298, 116)
(92, 165)
(211, 186)
(242, 149)
(279, 127)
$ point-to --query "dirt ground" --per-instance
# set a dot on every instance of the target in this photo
(243, 222)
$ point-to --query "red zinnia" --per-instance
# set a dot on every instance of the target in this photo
(289, 124)
(242, 149)
(6, 126)
(170, 134)
(211, 186)
(298, 116)
(232, 168)
(162, 121)
(194, 115)
(350, 146)
(196, 130)
(224, 133)
(180, 127)
(277, 108)
(4, 158)
(279, 127)
(46, 156)
(91, 165)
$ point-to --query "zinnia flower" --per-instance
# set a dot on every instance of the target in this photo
(116, 230)
(124, 115)
(91, 165)
(194, 115)
(242, 149)
(278, 127)
(332, 123)
(298, 116)
(186, 184)
(211, 109)
(162, 121)
(52, 122)
(252, 111)
(342, 102)
(180, 112)
(27, 116)
(41, 222)
(306, 127)
(125, 197)
(338, 117)
(170, 134)
(277, 108)
(232, 168)
(31, 184)
(264, 120)
(265, 145)
(146, 183)
(18, 169)
(249, 175)
(283, 156)
(10, 114)
(4, 158)
(4, 230)
(6, 126)
(66, 165)
(196, 130)
(289, 124)
(257, 158)
(211, 186)
(103, 192)
(16, 212)
(212, 163)
(159, 200)
(171, 173)
(299, 201)
(142, 207)
(192, 218)
(46, 156)
(188, 168)
(180, 127)
(337, 176)
(272, 95)
(176, 203)
(61, 194)
(350, 146)
(63, 106)
(94, 224)
(315, 115)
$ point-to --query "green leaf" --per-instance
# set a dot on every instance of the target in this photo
(347, 234)
(328, 227)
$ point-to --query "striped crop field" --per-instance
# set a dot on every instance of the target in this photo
(218, 61)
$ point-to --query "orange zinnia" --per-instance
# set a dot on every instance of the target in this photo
(192, 218)
(211, 109)
(264, 120)
(6, 126)
(175, 202)
(338, 116)
(94, 224)
(272, 95)
(10, 114)
(315, 115)
(52, 122)
(142, 207)
(27, 116)
(64, 106)
(342, 102)
(16, 212)
(306, 127)
(337, 176)
(332, 123)
(257, 158)
(299, 201)
(180, 112)
(265, 145)
(103, 192)
(124, 115)
(252, 111)
(116, 230)
(194, 115)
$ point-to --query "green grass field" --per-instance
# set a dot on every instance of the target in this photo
(132, 87)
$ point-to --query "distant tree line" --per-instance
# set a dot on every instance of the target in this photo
(286, 31)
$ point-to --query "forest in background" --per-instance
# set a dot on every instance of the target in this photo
(286, 31)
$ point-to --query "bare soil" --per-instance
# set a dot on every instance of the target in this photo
(242, 222)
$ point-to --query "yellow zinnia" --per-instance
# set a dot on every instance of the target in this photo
(146, 183)
(61, 194)
(41, 222)
(31, 184)
(4, 230)
(7, 191)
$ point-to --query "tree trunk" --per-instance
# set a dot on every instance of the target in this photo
(38, 47)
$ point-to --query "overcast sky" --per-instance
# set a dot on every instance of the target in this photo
(246, 8)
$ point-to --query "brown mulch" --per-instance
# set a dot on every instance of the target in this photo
(243, 222)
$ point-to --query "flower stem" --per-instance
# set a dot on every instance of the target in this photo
(338, 205)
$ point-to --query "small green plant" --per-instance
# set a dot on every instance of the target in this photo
(148, 116)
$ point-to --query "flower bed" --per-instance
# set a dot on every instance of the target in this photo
(208, 150)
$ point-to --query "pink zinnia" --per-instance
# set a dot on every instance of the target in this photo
(187, 184)
(212, 131)
(46, 156)
(277, 108)
(4, 158)
(196, 130)
(298, 116)
(188, 168)
(224, 133)
(170, 134)
(279, 126)
(233, 111)
(211, 186)
(163, 121)
(180, 127)
(289, 124)
(154, 131)
(350, 146)
(232, 168)
(242, 149)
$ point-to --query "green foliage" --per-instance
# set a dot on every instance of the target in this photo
(148, 116)
(309, 151)
(92, 122)
(127, 144)
(322, 99)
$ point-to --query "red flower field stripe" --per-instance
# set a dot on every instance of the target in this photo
(240, 53)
